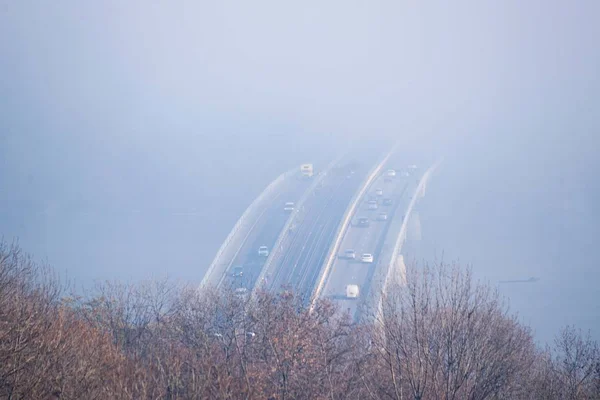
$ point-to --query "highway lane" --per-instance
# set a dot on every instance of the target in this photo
(263, 233)
(299, 267)
(368, 239)
(307, 271)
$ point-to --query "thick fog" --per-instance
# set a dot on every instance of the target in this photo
(133, 134)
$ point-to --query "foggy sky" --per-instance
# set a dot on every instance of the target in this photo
(162, 106)
(349, 67)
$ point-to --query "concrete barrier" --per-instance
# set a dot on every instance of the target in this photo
(343, 227)
(240, 231)
(396, 268)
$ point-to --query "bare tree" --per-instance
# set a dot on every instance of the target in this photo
(45, 349)
(440, 336)
(576, 364)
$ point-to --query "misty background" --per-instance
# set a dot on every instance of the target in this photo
(134, 134)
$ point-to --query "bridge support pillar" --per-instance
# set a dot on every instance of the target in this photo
(399, 274)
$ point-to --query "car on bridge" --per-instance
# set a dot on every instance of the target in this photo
(289, 206)
(367, 258)
(350, 254)
(373, 205)
(389, 175)
(306, 170)
(263, 251)
(388, 202)
(382, 217)
(363, 222)
(379, 192)
(352, 291)
(238, 271)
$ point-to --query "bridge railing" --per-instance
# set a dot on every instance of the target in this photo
(223, 258)
(395, 267)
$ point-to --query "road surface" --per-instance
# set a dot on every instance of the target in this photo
(305, 254)
(264, 232)
(368, 239)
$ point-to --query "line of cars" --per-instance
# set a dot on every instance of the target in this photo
(365, 222)
(350, 254)
(353, 290)
(238, 272)
(373, 202)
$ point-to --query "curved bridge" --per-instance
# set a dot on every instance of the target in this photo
(358, 205)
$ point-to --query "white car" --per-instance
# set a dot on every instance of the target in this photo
(391, 173)
(379, 192)
(289, 206)
(263, 251)
(352, 291)
(367, 258)
(373, 205)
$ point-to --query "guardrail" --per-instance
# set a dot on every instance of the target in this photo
(277, 249)
(343, 227)
(402, 237)
(252, 208)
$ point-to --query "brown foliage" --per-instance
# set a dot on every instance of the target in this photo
(438, 337)
(570, 369)
(442, 337)
(45, 349)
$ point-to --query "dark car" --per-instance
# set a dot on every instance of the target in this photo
(238, 271)
(350, 254)
(387, 202)
(363, 221)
